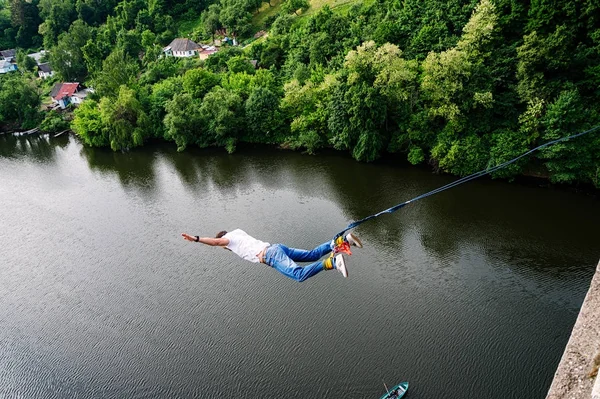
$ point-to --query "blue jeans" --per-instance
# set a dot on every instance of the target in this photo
(284, 260)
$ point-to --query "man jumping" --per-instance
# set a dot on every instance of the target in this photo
(281, 257)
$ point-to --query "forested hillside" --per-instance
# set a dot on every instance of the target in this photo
(457, 84)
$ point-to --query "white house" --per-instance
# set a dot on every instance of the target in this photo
(45, 70)
(182, 48)
(78, 97)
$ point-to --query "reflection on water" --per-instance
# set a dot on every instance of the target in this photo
(37, 146)
(463, 293)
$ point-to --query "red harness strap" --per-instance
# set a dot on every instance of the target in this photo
(343, 247)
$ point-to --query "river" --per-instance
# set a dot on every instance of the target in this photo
(471, 293)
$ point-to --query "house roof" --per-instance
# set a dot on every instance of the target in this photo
(45, 67)
(8, 53)
(182, 45)
(61, 90)
(4, 64)
(55, 89)
(37, 56)
(208, 51)
(83, 93)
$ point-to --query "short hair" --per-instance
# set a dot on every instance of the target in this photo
(220, 234)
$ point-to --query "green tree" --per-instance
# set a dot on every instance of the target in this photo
(161, 93)
(25, 20)
(283, 24)
(450, 78)
(240, 64)
(58, 15)
(576, 160)
(54, 122)
(94, 12)
(263, 116)
(211, 20)
(125, 120)
(19, 101)
(457, 87)
(197, 82)
(25, 62)
(306, 106)
(218, 62)
(223, 118)
(376, 97)
(235, 17)
(183, 123)
(7, 31)
(67, 56)
(292, 6)
(117, 69)
(88, 125)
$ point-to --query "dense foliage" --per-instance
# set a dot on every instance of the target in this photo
(458, 84)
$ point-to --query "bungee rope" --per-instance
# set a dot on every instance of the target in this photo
(463, 180)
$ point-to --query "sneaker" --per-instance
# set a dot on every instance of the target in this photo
(353, 240)
(340, 265)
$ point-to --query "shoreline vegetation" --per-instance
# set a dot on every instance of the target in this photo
(457, 86)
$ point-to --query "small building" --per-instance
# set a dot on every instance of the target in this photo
(64, 94)
(78, 97)
(38, 56)
(206, 51)
(7, 66)
(182, 48)
(8, 55)
(45, 71)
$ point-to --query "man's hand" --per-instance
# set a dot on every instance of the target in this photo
(188, 237)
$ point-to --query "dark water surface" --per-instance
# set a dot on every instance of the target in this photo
(471, 293)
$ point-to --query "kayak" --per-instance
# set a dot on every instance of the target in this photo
(396, 392)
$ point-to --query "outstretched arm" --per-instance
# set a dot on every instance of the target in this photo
(214, 242)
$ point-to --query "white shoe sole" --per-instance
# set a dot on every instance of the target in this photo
(354, 240)
(340, 265)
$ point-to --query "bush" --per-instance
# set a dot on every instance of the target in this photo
(54, 123)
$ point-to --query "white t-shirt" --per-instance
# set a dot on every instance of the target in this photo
(244, 245)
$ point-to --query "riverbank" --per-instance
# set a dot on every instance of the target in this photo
(578, 369)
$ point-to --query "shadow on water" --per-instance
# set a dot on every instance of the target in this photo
(514, 218)
(8, 146)
(39, 147)
(134, 168)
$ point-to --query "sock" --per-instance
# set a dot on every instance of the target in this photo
(328, 263)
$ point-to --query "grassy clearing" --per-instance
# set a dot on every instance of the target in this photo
(339, 6)
(316, 5)
(265, 11)
(186, 27)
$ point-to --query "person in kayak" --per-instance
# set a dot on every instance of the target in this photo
(281, 257)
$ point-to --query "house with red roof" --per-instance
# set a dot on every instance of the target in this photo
(64, 94)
